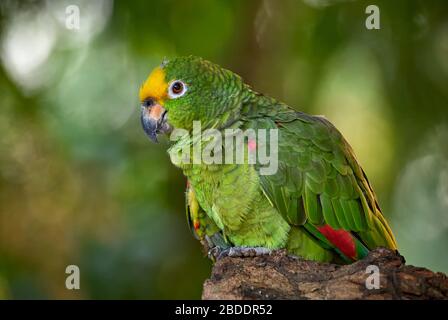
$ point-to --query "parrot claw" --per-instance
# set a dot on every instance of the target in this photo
(241, 252)
(215, 253)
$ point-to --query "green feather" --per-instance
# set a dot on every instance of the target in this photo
(328, 211)
(312, 207)
(339, 213)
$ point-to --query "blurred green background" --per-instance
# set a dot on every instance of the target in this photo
(81, 184)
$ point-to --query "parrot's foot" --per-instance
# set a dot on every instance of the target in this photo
(244, 252)
(215, 245)
(215, 253)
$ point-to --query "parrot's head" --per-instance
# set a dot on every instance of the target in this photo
(187, 89)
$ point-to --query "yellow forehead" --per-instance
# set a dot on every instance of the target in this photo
(155, 86)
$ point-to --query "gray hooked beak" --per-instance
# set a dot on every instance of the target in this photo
(154, 119)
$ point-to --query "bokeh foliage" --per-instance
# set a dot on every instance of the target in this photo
(81, 184)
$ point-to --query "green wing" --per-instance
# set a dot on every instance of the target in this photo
(198, 221)
(319, 183)
(202, 227)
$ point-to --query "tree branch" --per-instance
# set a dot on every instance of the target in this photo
(279, 276)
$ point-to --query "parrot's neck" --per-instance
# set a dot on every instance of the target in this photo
(250, 105)
(257, 105)
(231, 115)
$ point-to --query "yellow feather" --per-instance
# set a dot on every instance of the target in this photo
(155, 86)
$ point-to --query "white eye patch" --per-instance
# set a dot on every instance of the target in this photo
(177, 89)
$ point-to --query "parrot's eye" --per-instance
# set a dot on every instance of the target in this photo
(177, 89)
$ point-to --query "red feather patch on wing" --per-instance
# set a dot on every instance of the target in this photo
(196, 225)
(341, 239)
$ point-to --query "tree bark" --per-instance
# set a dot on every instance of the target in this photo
(280, 276)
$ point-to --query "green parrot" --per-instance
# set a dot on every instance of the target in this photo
(317, 204)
